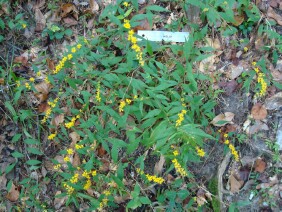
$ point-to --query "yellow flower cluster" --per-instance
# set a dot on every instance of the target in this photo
(200, 152)
(98, 93)
(231, 147)
(123, 103)
(180, 118)
(74, 178)
(57, 167)
(151, 178)
(78, 146)
(31, 79)
(126, 24)
(69, 188)
(261, 81)
(126, 4)
(178, 167)
(27, 85)
(48, 112)
(134, 45)
(66, 58)
(72, 122)
(52, 136)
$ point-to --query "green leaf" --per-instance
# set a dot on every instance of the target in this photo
(2, 24)
(34, 151)
(16, 137)
(9, 185)
(33, 162)
(133, 204)
(145, 200)
(68, 32)
(152, 113)
(31, 141)
(9, 168)
(17, 154)
(156, 8)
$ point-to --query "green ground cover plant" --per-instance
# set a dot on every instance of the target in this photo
(110, 95)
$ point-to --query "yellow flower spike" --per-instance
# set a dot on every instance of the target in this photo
(178, 168)
(94, 173)
(87, 185)
(180, 118)
(78, 146)
(74, 178)
(175, 153)
(122, 104)
(31, 79)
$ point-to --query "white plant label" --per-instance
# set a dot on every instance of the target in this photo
(163, 36)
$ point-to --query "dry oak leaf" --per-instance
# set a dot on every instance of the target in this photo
(260, 165)
(59, 202)
(57, 120)
(43, 87)
(223, 119)
(159, 165)
(13, 194)
(259, 111)
(67, 9)
(235, 184)
(272, 14)
(40, 20)
(274, 102)
(74, 138)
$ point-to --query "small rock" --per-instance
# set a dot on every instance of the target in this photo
(274, 102)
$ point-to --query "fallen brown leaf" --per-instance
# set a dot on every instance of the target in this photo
(59, 202)
(50, 64)
(260, 165)
(235, 184)
(259, 111)
(57, 120)
(70, 21)
(274, 102)
(223, 119)
(74, 138)
(14, 194)
(2, 81)
(67, 9)
(39, 20)
(272, 14)
(159, 165)
(43, 87)
(239, 19)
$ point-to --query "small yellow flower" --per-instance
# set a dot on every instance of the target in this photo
(128, 101)
(122, 104)
(205, 10)
(66, 159)
(135, 97)
(31, 79)
(94, 173)
(87, 185)
(57, 167)
(225, 135)
(74, 178)
(69, 56)
(246, 49)
(180, 118)
(226, 141)
(38, 74)
(69, 151)
(178, 167)
(52, 136)
(107, 193)
(126, 4)
(175, 153)
(126, 24)
(73, 49)
(78, 146)
(200, 152)
(27, 85)
(79, 46)
(254, 63)
(23, 26)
